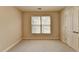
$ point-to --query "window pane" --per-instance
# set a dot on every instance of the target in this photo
(35, 20)
(45, 20)
(35, 29)
(46, 29)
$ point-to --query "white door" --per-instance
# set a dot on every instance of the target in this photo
(69, 26)
(75, 36)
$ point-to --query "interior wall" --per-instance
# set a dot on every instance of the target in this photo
(10, 26)
(27, 25)
(62, 25)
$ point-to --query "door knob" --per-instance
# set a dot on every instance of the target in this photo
(75, 32)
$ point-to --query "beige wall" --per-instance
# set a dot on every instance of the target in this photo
(10, 26)
(27, 25)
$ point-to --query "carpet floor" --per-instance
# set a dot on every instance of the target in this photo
(41, 46)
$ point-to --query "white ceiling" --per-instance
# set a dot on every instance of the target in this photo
(43, 8)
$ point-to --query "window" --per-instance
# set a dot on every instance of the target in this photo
(41, 24)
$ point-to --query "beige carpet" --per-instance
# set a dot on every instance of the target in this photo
(41, 46)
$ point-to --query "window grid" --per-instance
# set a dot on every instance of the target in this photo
(41, 25)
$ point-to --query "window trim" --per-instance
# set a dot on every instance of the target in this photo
(41, 25)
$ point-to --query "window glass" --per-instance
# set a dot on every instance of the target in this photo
(36, 20)
(41, 24)
(35, 29)
(45, 20)
(46, 29)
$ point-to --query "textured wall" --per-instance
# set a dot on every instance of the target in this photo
(27, 25)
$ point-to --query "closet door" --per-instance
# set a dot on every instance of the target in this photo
(76, 28)
(69, 26)
(66, 23)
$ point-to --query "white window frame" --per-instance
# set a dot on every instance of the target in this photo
(40, 25)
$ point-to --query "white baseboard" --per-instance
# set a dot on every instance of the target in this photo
(7, 49)
(40, 39)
